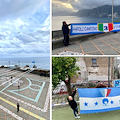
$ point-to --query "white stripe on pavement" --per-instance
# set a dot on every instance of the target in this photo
(11, 113)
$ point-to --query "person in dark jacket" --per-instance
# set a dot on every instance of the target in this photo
(18, 107)
(73, 104)
(66, 34)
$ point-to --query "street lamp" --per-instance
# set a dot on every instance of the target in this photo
(112, 10)
(19, 63)
(108, 71)
(9, 64)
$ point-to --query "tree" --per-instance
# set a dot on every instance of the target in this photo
(2, 66)
(63, 67)
(17, 66)
(34, 66)
(27, 66)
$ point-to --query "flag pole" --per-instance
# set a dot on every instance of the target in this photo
(108, 71)
(9, 64)
(112, 10)
(19, 63)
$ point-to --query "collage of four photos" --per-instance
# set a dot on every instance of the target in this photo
(60, 60)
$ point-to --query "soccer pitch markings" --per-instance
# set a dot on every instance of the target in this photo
(33, 106)
(38, 95)
(24, 110)
(27, 72)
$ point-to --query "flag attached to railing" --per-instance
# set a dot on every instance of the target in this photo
(94, 100)
(93, 28)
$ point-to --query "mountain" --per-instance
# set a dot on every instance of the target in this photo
(102, 11)
(63, 13)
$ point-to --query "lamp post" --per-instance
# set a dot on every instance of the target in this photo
(108, 71)
(112, 10)
(9, 64)
(19, 63)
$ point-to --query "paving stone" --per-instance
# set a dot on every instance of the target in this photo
(115, 45)
(96, 41)
(90, 49)
(87, 45)
(105, 47)
(110, 42)
(9, 118)
(110, 52)
(95, 53)
(100, 43)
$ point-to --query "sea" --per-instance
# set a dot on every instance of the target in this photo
(40, 62)
(57, 20)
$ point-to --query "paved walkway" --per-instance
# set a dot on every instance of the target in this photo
(32, 96)
(105, 45)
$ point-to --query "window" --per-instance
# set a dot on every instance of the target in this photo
(94, 62)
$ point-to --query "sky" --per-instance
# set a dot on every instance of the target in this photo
(75, 5)
(24, 28)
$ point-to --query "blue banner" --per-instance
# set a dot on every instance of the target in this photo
(94, 100)
(93, 28)
(116, 83)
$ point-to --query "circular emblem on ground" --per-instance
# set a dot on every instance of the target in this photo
(35, 87)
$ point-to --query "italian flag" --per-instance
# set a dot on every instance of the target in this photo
(105, 27)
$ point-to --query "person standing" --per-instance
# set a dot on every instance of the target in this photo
(11, 79)
(99, 85)
(18, 106)
(66, 34)
(18, 85)
(73, 104)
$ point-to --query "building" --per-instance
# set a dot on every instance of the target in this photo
(94, 69)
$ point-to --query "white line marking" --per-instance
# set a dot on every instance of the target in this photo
(33, 106)
(47, 100)
(6, 72)
(12, 79)
(11, 113)
(27, 72)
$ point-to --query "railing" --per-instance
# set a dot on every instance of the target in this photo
(60, 89)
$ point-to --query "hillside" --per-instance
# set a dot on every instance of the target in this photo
(102, 11)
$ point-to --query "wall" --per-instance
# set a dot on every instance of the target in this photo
(94, 73)
(99, 72)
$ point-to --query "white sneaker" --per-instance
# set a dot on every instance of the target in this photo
(78, 114)
(77, 117)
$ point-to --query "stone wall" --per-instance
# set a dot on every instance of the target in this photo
(101, 68)
(57, 99)
(90, 72)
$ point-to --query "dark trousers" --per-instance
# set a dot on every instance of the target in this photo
(66, 39)
(17, 109)
(76, 110)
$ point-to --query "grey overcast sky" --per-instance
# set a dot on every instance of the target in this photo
(24, 28)
(75, 5)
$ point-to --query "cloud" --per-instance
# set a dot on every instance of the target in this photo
(61, 6)
(19, 7)
(81, 4)
(24, 27)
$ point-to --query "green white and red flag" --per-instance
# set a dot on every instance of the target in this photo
(105, 27)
